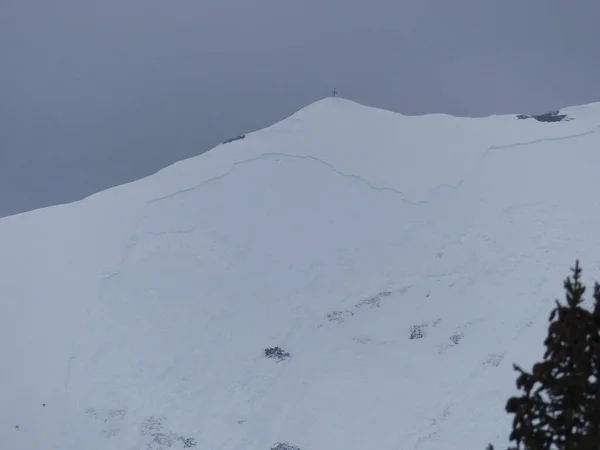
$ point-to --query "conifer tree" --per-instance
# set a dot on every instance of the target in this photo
(560, 406)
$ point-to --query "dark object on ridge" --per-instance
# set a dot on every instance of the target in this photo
(553, 116)
(237, 138)
(276, 353)
(284, 446)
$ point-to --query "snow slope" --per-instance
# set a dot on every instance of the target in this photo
(404, 262)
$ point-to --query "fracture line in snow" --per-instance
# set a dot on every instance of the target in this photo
(283, 155)
(538, 141)
(131, 242)
(358, 177)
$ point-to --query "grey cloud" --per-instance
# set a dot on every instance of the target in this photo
(95, 94)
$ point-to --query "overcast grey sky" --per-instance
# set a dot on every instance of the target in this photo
(97, 93)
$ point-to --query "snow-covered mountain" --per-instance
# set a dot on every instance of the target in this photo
(401, 264)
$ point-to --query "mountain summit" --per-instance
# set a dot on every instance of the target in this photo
(347, 278)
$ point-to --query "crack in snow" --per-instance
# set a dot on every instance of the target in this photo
(132, 241)
(537, 141)
(283, 155)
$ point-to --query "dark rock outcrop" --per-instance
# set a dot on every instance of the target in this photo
(276, 353)
(552, 116)
(237, 138)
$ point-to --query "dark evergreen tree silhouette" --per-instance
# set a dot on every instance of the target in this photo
(560, 406)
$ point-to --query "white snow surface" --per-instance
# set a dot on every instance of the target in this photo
(139, 316)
